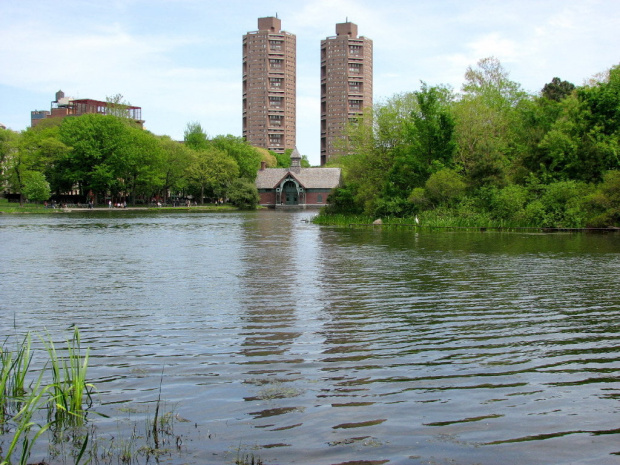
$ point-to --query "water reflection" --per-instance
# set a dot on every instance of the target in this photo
(332, 346)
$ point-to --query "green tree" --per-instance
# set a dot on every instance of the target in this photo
(118, 106)
(243, 194)
(97, 142)
(557, 89)
(247, 157)
(486, 118)
(445, 187)
(36, 188)
(176, 160)
(139, 168)
(428, 146)
(212, 169)
(195, 137)
(8, 147)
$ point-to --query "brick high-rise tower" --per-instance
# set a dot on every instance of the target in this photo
(269, 86)
(346, 83)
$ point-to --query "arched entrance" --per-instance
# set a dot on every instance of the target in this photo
(289, 191)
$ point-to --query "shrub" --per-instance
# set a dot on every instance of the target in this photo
(508, 203)
(445, 187)
(243, 194)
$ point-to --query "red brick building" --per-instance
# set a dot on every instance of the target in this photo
(67, 106)
(296, 186)
(346, 84)
(269, 86)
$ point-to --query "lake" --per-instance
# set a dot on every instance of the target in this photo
(266, 335)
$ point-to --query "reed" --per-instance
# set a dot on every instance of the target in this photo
(15, 366)
(24, 421)
(69, 386)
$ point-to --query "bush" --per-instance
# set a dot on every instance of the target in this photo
(508, 203)
(564, 204)
(396, 207)
(419, 200)
(342, 201)
(445, 187)
(243, 194)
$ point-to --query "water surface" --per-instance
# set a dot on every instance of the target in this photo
(319, 345)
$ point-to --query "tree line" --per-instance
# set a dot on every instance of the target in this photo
(101, 157)
(492, 153)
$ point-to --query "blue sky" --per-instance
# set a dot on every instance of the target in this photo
(180, 60)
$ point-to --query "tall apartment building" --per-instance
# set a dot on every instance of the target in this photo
(269, 86)
(346, 84)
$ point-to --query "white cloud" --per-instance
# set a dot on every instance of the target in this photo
(181, 60)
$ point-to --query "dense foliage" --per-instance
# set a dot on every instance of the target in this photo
(492, 152)
(103, 157)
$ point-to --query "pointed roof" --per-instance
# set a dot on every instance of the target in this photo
(295, 161)
(309, 178)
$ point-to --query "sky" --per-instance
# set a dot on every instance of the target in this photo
(180, 60)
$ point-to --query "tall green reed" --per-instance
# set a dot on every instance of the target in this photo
(15, 366)
(23, 404)
(69, 387)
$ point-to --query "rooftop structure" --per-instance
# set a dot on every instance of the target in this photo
(67, 106)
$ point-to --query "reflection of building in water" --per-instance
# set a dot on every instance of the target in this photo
(296, 186)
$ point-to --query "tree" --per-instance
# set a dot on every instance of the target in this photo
(445, 187)
(139, 167)
(247, 157)
(35, 187)
(212, 169)
(44, 149)
(428, 145)
(243, 194)
(486, 118)
(117, 106)
(176, 160)
(195, 137)
(491, 81)
(8, 147)
(99, 144)
(557, 89)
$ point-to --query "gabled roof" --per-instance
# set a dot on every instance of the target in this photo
(309, 178)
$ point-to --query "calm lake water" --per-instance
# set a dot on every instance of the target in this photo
(320, 345)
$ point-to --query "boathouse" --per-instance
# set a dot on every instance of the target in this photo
(296, 186)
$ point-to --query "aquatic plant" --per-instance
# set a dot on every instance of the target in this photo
(69, 385)
(23, 404)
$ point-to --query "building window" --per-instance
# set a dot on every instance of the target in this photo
(355, 105)
(319, 198)
(275, 83)
(275, 63)
(355, 50)
(275, 45)
(275, 140)
(355, 68)
(355, 86)
(275, 102)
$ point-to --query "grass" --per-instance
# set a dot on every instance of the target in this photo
(428, 220)
(35, 208)
(15, 207)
